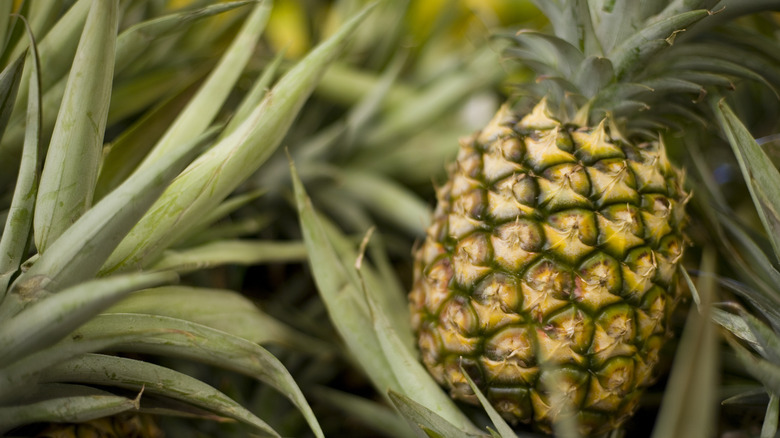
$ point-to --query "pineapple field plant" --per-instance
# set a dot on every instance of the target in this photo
(94, 337)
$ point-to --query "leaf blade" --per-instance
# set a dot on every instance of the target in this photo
(762, 178)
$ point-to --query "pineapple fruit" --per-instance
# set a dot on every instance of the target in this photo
(551, 268)
(551, 265)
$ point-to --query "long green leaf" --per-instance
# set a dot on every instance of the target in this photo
(414, 379)
(255, 95)
(762, 178)
(40, 16)
(56, 51)
(689, 405)
(83, 248)
(634, 52)
(242, 252)
(10, 78)
(132, 374)
(50, 319)
(502, 428)
(769, 428)
(18, 225)
(425, 420)
(64, 410)
(223, 310)
(388, 200)
(184, 339)
(72, 161)
(338, 288)
(212, 177)
(204, 106)
(764, 371)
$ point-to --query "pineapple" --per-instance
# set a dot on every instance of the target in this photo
(551, 268)
(552, 257)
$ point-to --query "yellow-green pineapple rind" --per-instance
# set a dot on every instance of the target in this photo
(550, 270)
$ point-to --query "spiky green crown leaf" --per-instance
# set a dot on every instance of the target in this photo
(624, 59)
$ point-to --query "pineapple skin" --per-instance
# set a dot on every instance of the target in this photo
(550, 271)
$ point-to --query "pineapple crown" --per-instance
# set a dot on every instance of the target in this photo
(642, 64)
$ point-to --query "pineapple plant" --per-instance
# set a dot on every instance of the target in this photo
(550, 271)
(545, 288)
(122, 145)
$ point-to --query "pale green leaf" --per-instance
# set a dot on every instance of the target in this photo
(17, 378)
(689, 404)
(211, 178)
(593, 74)
(205, 105)
(414, 380)
(18, 225)
(391, 299)
(255, 95)
(614, 21)
(762, 178)
(72, 161)
(670, 85)
(185, 339)
(676, 7)
(503, 429)
(338, 288)
(239, 252)
(221, 309)
(56, 51)
(553, 51)
(40, 16)
(83, 248)
(208, 229)
(766, 338)
(57, 47)
(765, 372)
(64, 410)
(132, 374)
(769, 428)
(709, 64)
(420, 109)
(735, 325)
(48, 320)
(388, 200)
(425, 420)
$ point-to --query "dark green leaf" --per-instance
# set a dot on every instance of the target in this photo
(762, 178)
(634, 53)
(64, 410)
(425, 420)
(48, 320)
(136, 375)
